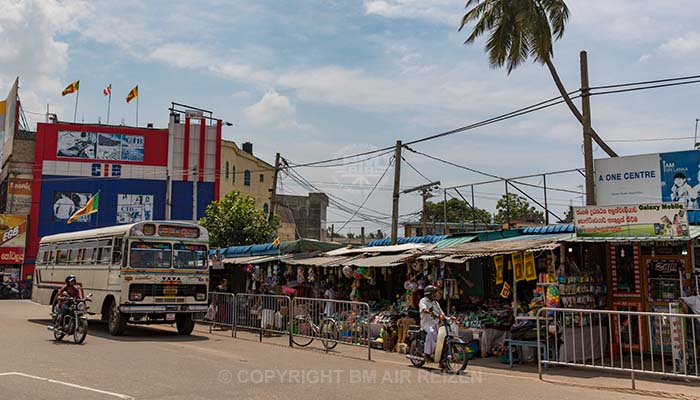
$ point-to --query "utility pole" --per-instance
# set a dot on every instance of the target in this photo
(587, 144)
(195, 178)
(362, 235)
(425, 192)
(273, 195)
(332, 231)
(395, 204)
(444, 202)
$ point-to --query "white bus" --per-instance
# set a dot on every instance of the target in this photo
(149, 272)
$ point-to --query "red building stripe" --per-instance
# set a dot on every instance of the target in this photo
(217, 168)
(202, 141)
(186, 159)
(33, 241)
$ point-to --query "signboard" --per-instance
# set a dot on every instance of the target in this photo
(178, 231)
(19, 195)
(661, 177)
(100, 146)
(13, 236)
(133, 208)
(677, 339)
(663, 220)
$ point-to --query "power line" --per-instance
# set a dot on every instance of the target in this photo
(649, 139)
(645, 82)
(645, 88)
(368, 195)
(416, 170)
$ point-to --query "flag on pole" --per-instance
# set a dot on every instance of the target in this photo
(276, 242)
(90, 207)
(72, 88)
(132, 94)
(108, 90)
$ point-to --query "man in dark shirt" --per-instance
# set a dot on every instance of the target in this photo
(64, 295)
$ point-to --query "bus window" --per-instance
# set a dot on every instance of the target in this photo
(88, 255)
(150, 255)
(52, 258)
(117, 253)
(41, 256)
(61, 256)
(73, 253)
(190, 256)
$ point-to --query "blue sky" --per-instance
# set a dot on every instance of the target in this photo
(314, 79)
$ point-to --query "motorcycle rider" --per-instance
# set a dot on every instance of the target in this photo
(430, 313)
(64, 294)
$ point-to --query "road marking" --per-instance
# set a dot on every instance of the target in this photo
(73, 385)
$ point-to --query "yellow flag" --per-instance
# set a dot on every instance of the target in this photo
(132, 94)
(72, 88)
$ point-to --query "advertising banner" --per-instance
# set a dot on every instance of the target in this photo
(66, 204)
(13, 236)
(100, 146)
(663, 220)
(134, 208)
(665, 177)
(19, 195)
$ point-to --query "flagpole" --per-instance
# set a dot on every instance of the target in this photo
(75, 111)
(137, 110)
(109, 103)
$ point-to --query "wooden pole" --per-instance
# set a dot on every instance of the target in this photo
(395, 204)
(587, 143)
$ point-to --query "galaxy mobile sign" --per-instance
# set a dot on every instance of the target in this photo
(662, 177)
(661, 220)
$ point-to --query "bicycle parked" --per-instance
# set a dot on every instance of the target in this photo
(328, 330)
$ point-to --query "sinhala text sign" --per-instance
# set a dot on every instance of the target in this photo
(648, 220)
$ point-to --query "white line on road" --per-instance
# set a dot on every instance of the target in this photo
(39, 378)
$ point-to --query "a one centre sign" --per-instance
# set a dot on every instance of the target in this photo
(663, 220)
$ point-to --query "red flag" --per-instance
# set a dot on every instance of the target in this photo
(108, 90)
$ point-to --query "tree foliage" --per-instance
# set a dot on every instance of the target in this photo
(234, 221)
(517, 30)
(520, 210)
(457, 211)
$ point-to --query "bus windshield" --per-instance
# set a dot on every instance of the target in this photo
(150, 255)
(190, 256)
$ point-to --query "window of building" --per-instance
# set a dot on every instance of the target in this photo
(233, 173)
(227, 169)
(246, 178)
(262, 178)
(266, 208)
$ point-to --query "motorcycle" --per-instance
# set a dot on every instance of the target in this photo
(9, 291)
(74, 322)
(450, 350)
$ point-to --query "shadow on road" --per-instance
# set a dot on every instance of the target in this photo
(134, 333)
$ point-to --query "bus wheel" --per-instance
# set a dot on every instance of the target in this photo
(116, 320)
(185, 324)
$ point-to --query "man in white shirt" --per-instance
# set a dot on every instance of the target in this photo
(430, 313)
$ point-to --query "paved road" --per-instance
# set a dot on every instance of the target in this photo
(156, 363)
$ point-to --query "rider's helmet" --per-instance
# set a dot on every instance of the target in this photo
(429, 289)
(70, 278)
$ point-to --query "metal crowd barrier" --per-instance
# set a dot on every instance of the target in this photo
(332, 322)
(636, 342)
(220, 311)
(264, 313)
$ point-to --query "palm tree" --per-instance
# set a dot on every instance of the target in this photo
(518, 30)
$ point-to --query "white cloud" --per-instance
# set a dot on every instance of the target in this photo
(681, 46)
(441, 11)
(31, 49)
(276, 110)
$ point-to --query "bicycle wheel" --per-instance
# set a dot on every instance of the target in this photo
(456, 360)
(305, 328)
(330, 334)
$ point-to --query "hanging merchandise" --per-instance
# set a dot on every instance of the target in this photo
(300, 275)
(529, 266)
(498, 262)
(311, 274)
(505, 292)
(347, 271)
(553, 296)
(518, 272)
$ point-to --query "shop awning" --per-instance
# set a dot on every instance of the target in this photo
(694, 233)
(378, 249)
(253, 259)
(321, 261)
(507, 246)
(454, 241)
(455, 259)
(378, 261)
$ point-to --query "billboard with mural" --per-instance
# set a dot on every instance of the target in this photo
(100, 146)
(660, 177)
(66, 204)
(13, 233)
(134, 208)
(662, 220)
